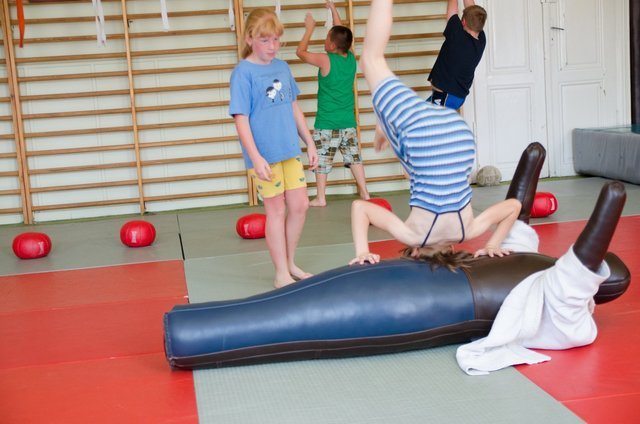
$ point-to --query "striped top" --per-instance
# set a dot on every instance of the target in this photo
(433, 143)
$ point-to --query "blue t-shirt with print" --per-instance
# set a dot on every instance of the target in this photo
(265, 93)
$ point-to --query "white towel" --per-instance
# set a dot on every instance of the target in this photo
(329, 22)
(550, 309)
(521, 238)
(99, 13)
(232, 17)
(164, 15)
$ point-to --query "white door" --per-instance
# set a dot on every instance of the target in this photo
(586, 85)
(509, 88)
(550, 66)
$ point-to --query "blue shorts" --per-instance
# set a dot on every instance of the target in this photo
(441, 98)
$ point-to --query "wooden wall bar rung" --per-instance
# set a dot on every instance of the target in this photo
(77, 113)
(124, 73)
(194, 195)
(109, 202)
(64, 58)
(60, 133)
(188, 141)
(81, 168)
(74, 150)
(399, 37)
(97, 56)
(192, 159)
(195, 177)
(86, 186)
(76, 38)
(133, 17)
(122, 92)
(10, 211)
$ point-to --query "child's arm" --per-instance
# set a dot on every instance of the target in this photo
(468, 3)
(334, 12)
(305, 135)
(260, 165)
(376, 37)
(452, 7)
(380, 141)
(321, 60)
(504, 215)
(365, 213)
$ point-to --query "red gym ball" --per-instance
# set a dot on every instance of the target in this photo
(137, 233)
(544, 204)
(251, 226)
(31, 245)
(381, 202)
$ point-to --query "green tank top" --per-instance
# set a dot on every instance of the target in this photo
(335, 94)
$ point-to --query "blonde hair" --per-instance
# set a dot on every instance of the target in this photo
(260, 22)
(437, 258)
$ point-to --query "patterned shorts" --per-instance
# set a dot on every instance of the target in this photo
(329, 141)
(285, 175)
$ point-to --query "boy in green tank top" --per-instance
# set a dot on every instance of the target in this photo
(335, 125)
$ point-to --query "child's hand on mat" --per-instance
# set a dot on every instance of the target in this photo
(363, 258)
(492, 251)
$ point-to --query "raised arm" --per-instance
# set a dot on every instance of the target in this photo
(503, 215)
(334, 12)
(321, 60)
(452, 7)
(468, 3)
(376, 37)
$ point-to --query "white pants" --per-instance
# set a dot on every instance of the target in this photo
(551, 309)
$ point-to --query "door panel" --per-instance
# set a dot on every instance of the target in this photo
(550, 66)
(509, 85)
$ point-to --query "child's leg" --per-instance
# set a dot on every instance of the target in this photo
(358, 173)
(276, 237)
(376, 37)
(321, 188)
(297, 204)
(324, 142)
(353, 159)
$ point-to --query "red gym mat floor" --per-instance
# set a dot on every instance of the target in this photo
(86, 345)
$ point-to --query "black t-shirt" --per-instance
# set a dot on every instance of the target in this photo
(459, 55)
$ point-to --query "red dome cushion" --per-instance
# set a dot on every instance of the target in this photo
(31, 245)
(544, 204)
(251, 226)
(137, 233)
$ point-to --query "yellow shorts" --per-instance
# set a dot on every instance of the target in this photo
(285, 175)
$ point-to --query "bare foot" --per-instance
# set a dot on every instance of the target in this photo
(298, 274)
(284, 282)
(317, 203)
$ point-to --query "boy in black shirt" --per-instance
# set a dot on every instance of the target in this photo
(464, 43)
